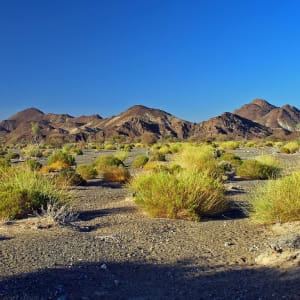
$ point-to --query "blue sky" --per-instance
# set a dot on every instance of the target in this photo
(194, 59)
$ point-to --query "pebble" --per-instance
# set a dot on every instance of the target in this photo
(228, 244)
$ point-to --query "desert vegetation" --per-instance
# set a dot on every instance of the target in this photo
(23, 191)
(171, 180)
(277, 201)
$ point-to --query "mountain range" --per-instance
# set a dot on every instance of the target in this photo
(255, 120)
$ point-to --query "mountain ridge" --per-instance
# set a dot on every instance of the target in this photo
(255, 120)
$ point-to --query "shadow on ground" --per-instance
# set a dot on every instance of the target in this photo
(150, 281)
(93, 214)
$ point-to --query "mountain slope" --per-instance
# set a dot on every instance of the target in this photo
(230, 126)
(258, 119)
(139, 119)
(286, 117)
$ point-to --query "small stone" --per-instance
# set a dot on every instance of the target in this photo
(243, 259)
(228, 244)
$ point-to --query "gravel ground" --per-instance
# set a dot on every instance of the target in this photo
(114, 251)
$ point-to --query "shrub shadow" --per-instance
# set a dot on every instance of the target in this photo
(125, 280)
(93, 214)
(101, 183)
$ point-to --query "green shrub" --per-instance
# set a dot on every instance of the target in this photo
(269, 144)
(122, 155)
(105, 161)
(13, 155)
(68, 177)
(116, 174)
(139, 161)
(230, 145)
(184, 195)
(34, 165)
(23, 191)
(157, 156)
(232, 158)
(86, 171)
(68, 147)
(3, 152)
(199, 158)
(165, 149)
(110, 147)
(254, 169)
(32, 151)
(276, 201)
(251, 144)
(63, 157)
(128, 147)
(4, 163)
(77, 151)
(175, 147)
(290, 148)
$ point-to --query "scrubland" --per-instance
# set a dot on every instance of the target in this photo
(188, 210)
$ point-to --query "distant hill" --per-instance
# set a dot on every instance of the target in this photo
(230, 126)
(286, 117)
(255, 120)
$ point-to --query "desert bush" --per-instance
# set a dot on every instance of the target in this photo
(68, 177)
(199, 158)
(32, 151)
(33, 164)
(77, 151)
(13, 155)
(269, 160)
(165, 149)
(121, 155)
(55, 213)
(68, 147)
(105, 161)
(110, 147)
(235, 160)
(54, 167)
(138, 145)
(290, 148)
(139, 161)
(230, 145)
(63, 157)
(126, 147)
(4, 163)
(186, 194)
(251, 144)
(3, 152)
(23, 191)
(278, 144)
(157, 156)
(269, 144)
(254, 169)
(175, 147)
(155, 166)
(276, 201)
(116, 174)
(47, 152)
(86, 171)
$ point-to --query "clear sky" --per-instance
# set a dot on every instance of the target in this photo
(193, 59)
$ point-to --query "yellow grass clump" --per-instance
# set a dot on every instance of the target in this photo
(186, 194)
(276, 201)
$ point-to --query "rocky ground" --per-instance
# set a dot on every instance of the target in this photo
(114, 251)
